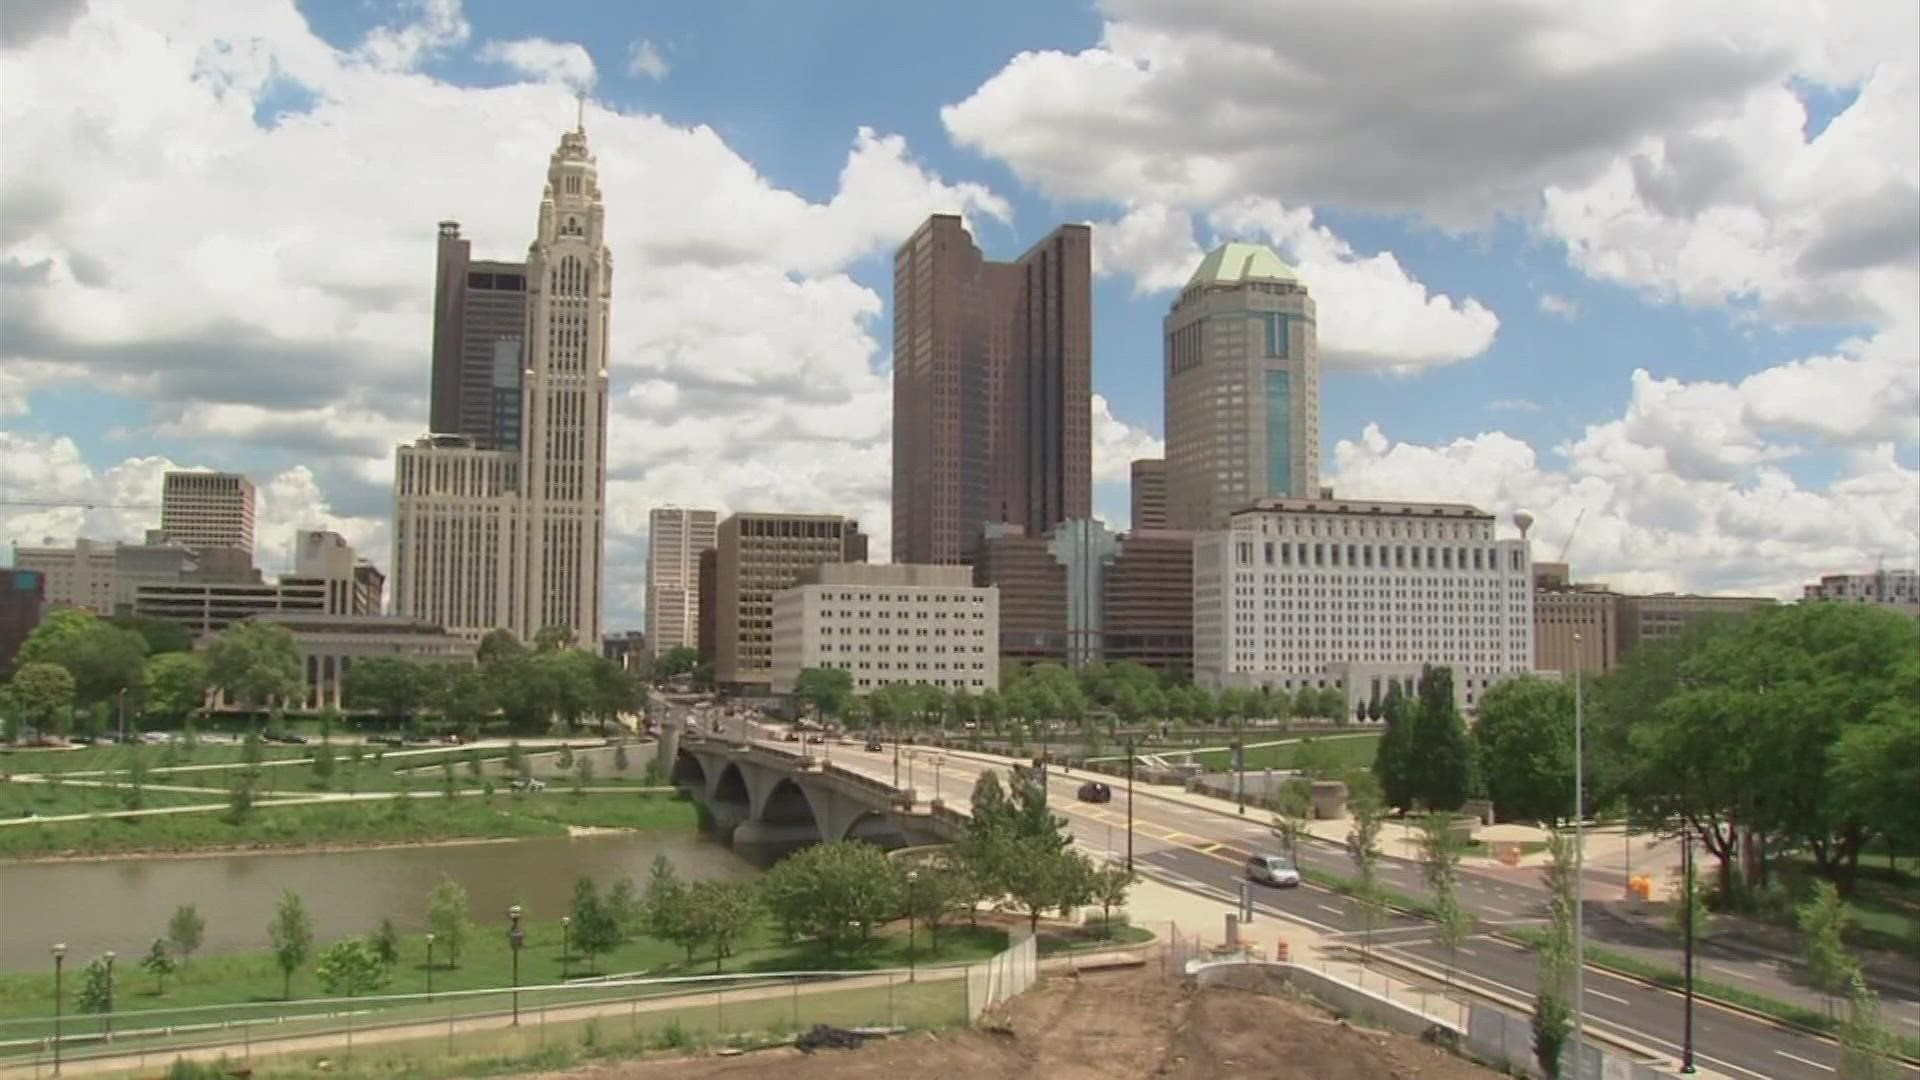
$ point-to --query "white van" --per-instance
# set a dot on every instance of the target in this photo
(1273, 870)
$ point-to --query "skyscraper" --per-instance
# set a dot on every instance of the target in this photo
(675, 539)
(756, 556)
(479, 323)
(512, 536)
(992, 389)
(1242, 388)
(1149, 493)
(208, 509)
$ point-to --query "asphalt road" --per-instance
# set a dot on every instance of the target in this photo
(1202, 850)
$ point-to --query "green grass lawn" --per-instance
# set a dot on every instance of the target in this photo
(371, 821)
(1341, 751)
(45, 800)
(1055, 941)
(253, 979)
(89, 758)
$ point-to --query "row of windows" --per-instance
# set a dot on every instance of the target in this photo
(883, 614)
(848, 647)
(1396, 556)
(902, 598)
(1292, 526)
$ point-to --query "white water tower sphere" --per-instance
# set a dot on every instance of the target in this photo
(1523, 519)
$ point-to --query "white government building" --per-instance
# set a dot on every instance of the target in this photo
(1358, 594)
(894, 623)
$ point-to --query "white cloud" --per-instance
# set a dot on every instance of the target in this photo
(1117, 444)
(1513, 405)
(1152, 244)
(560, 62)
(265, 291)
(439, 25)
(645, 60)
(1555, 304)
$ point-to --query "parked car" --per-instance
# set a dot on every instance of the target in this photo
(1095, 792)
(1275, 870)
(529, 784)
(874, 746)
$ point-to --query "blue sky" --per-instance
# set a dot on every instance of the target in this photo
(1667, 218)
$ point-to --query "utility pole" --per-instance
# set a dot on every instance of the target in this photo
(1686, 872)
(1579, 864)
(1129, 802)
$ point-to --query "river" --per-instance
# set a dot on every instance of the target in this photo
(123, 904)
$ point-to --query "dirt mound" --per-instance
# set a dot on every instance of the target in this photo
(1106, 1026)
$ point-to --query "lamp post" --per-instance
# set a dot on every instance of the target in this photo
(896, 756)
(515, 938)
(1129, 802)
(1240, 774)
(1686, 871)
(912, 877)
(108, 1016)
(1579, 866)
(59, 961)
(429, 965)
(566, 944)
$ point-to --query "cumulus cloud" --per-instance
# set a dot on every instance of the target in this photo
(560, 62)
(1152, 244)
(1117, 444)
(1555, 304)
(644, 60)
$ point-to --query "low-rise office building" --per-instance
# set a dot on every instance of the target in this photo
(757, 555)
(1576, 627)
(1896, 590)
(886, 625)
(77, 576)
(330, 644)
(1662, 616)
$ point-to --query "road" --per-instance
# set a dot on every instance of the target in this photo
(1203, 850)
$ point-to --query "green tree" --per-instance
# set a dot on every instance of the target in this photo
(620, 761)
(1442, 757)
(595, 928)
(186, 930)
(1363, 847)
(625, 909)
(1552, 1014)
(1523, 744)
(719, 912)
(1867, 1049)
(1393, 761)
(159, 964)
(352, 967)
(385, 942)
(1040, 875)
(1110, 886)
(322, 764)
(391, 687)
(257, 664)
(936, 891)
(160, 635)
(448, 918)
(825, 689)
(1292, 811)
(834, 893)
(665, 910)
(674, 663)
(135, 795)
(175, 686)
(1691, 904)
(96, 987)
(291, 935)
(499, 647)
(103, 659)
(1823, 923)
(43, 694)
(1440, 848)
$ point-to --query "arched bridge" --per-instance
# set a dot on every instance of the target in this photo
(758, 797)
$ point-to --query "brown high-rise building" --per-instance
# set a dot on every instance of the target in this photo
(992, 389)
(1148, 604)
(1576, 627)
(707, 622)
(1149, 491)
(757, 556)
(1033, 595)
(479, 325)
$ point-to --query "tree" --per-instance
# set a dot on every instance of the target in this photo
(719, 912)
(1866, 1047)
(594, 928)
(1110, 886)
(388, 686)
(1523, 744)
(1040, 875)
(102, 658)
(552, 639)
(834, 893)
(185, 930)
(135, 795)
(43, 694)
(464, 695)
(498, 647)
(1552, 1015)
(1363, 847)
(175, 686)
(291, 934)
(322, 764)
(448, 918)
(96, 987)
(160, 635)
(1440, 849)
(938, 890)
(620, 762)
(674, 663)
(825, 689)
(159, 963)
(623, 906)
(1442, 758)
(385, 942)
(257, 664)
(352, 967)
(665, 910)
(1292, 811)
(582, 771)
(1393, 761)
(1823, 922)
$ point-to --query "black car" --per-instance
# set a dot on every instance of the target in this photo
(1094, 791)
(874, 746)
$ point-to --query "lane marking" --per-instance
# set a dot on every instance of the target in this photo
(1211, 848)
(1500, 911)
(1804, 1061)
(1329, 909)
(1735, 972)
(1609, 997)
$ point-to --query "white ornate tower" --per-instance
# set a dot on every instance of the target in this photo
(564, 401)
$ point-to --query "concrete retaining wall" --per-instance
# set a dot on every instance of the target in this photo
(1405, 1017)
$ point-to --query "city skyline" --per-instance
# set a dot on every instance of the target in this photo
(1487, 328)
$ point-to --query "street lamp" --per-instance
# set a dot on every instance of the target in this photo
(912, 877)
(1129, 803)
(429, 965)
(1579, 867)
(566, 944)
(109, 1012)
(59, 959)
(515, 938)
(1240, 774)
(1686, 871)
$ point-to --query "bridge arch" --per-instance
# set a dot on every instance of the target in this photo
(875, 828)
(730, 792)
(689, 774)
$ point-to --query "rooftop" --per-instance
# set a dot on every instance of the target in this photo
(1235, 262)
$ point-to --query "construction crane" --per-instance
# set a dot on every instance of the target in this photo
(1571, 533)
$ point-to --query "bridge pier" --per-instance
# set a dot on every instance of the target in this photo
(769, 841)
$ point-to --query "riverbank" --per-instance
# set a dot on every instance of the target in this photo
(386, 822)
